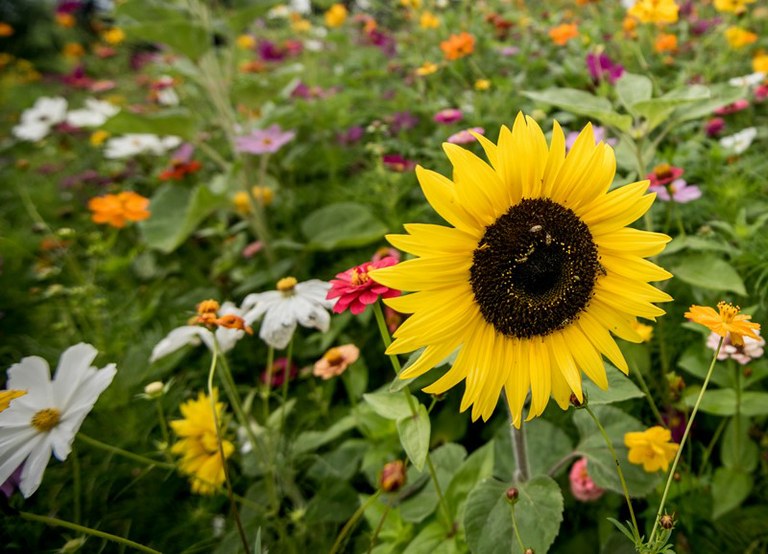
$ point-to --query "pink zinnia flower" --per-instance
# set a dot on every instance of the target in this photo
(677, 191)
(465, 136)
(264, 141)
(355, 289)
(714, 126)
(664, 174)
(582, 485)
(751, 349)
(448, 116)
(336, 361)
(395, 162)
(733, 107)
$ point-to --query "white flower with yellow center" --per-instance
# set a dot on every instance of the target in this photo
(47, 417)
(291, 303)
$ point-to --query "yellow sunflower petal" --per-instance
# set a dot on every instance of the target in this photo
(441, 194)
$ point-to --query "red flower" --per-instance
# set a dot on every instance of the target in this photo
(355, 289)
(664, 174)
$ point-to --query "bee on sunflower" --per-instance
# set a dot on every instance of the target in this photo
(534, 273)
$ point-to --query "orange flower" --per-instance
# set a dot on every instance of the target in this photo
(65, 20)
(655, 11)
(739, 37)
(116, 209)
(5, 29)
(336, 361)
(458, 46)
(561, 34)
(665, 42)
(727, 321)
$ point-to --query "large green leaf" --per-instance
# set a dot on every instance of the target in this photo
(434, 538)
(730, 487)
(176, 212)
(178, 122)
(695, 360)
(414, 434)
(722, 94)
(241, 18)
(488, 516)
(658, 110)
(709, 272)
(478, 466)
(547, 445)
(737, 450)
(342, 225)
(724, 402)
(390, 405)
(582, 103)
(417, 507)
(620, 387)
(632, 88)
(312, 440)
(182, 36)
(602, 466)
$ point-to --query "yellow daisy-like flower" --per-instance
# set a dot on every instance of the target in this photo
(655, 11)
(198, 445)
(651, 448)
(535, 273)
(726, 320)
(733, 6)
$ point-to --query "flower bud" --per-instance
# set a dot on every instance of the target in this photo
(392, 476)
(667, 521)
(155, 389)
(512, 495)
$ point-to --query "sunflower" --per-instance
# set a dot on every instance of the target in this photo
(534, 274)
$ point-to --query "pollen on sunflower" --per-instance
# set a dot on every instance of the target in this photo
(534, 274)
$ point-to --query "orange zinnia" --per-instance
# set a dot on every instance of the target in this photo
(665, 42)
(458, 46)
(727, 321)
(116, 209)
(561, 34)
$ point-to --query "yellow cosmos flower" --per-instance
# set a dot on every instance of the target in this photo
(655, 11)
(536, 271)
(482, 84)
(727, 320)
(336, 15)
(113, 36)
(760, 62)
(732, 6)
(427, 68)
(198, 445)
(738, 37)
(651, 448)
(428, 20)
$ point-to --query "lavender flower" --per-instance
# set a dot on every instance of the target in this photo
(677, 191)
(465, 136)
(264, 141)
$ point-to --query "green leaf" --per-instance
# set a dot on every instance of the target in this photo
(312, 440)
(417, 507)
(697, 244)
(177, 122)
(620, 388)
(695, 360)
(737, 450)
(182, 36)
(240, 19)
(433, 538)
(149, 11)
(582, 103)
(730, 487)
(414, 436)
(709, 272)
(488, 516)
(723, 402)
(478, 466)
(389, 405)
(722, 94)
(602, 467)
(658, 110)
(547, 445)
(335, 502)
(176, 212)
(632, 88)
(341, 225)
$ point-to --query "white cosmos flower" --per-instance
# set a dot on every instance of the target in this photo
(751, 80)
(46, 419)
(194, 334)
(134, 144)
(291, 303)
(740, 141)
(94, 114)
(37, 121)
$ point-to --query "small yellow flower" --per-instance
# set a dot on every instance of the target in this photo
(98, 137)
(113, 36)
(428, 20)
(415, 4)
(651, 448)
(246, 42)
(263, 195)
(482, 84)
(427, 68)
(198, 444)
(73, 50)
(336, 15)
(655, 11)
(725, 321)
(645, 332)
(732, 6)
(299, 24)
(760, 62)
(738, 37)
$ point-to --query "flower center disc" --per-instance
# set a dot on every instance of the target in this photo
(534, 270)
(46, 419)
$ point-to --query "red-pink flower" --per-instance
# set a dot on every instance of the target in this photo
(582, 485)
(355, 289)
(733, 107)
(664, 174)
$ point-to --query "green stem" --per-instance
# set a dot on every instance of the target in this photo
(379, 527)
(265, 393)
(520, 450)
(647, 392)
(338, 543)
(682, 442)
(76, 484)
(124, 453)
(286, 376)
(609, 443)
(517, 531)
(55, 522)
(163, 428)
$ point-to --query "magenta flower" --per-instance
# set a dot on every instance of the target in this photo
(733, 107)
(355, 289)
(448, 116)
(465, 136)
(264, 141)
(350, 136)
(395, 162)
(402, 121)
(603, 68)
(714, 126)
(582, 485)
(677, 191)
(664, 174)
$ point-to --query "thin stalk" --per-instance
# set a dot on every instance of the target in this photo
(76, 484)
(286, 376)
(379, 527)
(55, 522)
(517, 531)
(163, 428)
(220, 445)
(682, 442)
(125, 453)
(268, 385)
(608, 442)
(647, 392)
(349, 525)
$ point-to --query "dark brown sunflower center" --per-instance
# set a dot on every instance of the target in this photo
(534, 270)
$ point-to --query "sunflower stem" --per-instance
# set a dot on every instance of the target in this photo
(672, 469)
(55, 522)
(609, 443)
(520, 450)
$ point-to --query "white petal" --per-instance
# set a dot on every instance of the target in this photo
(178, 338)
(278, 326)
(73, 369)
(11, 439)
(227, 338)
(11, 459)
(33, 375)
(19, 414)
(32, 474)
(89, 391)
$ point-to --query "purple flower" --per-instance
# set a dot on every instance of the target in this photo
(599, 132)
(465, 136)
(677, 191)
(264, 141)
(270, 52)
(402, 121)
(12, 483)
(448, 116)
(509, 51)
(603, 68)
(714, 126)
(396, 162)
(350, 136)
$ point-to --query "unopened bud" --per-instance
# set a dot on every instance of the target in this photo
(512, 494)
(529, 551)
(575, 402)
(676, 476)
(155, 389)
(392, 476)
(667, 521)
